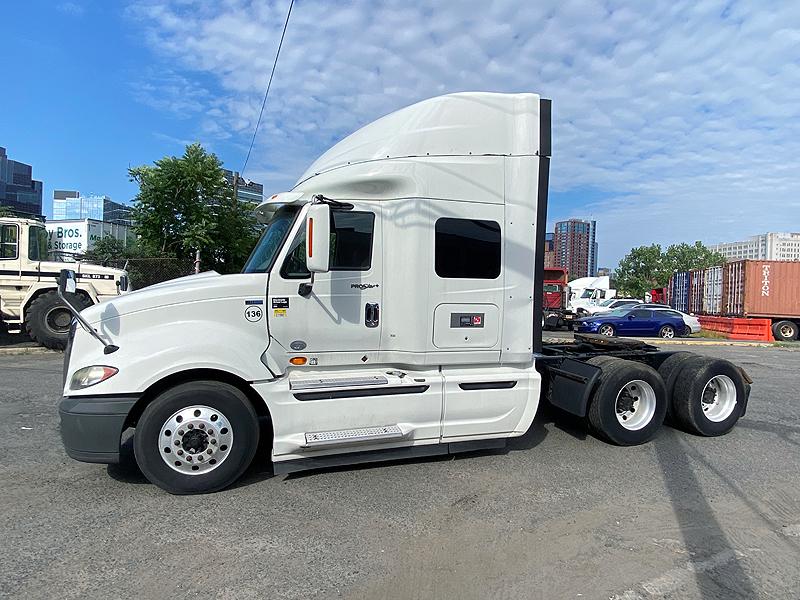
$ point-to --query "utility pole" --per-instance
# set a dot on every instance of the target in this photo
(235, 187)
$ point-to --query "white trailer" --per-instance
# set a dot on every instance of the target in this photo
(386, 312)
(28, 282)
(76, 237)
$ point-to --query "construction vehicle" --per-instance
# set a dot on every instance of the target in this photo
(29, 281)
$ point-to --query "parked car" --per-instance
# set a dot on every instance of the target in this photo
(692, 323)
(612, 303)
(633, 322)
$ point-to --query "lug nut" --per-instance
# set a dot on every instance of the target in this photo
(213, 441)
(202, 426)
(209, 451)
(180, 452)
(190, 426)
(177, 443)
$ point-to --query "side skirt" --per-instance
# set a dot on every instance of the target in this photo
(357, 458)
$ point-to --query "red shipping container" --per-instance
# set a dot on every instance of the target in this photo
(761, 288)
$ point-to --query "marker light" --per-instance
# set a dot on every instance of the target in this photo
(310, 238)
(89, 376)
(298, 361)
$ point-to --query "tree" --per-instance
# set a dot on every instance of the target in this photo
(110, 248)
(184, 204)
(6, 212)
(641, 270)
(647, 267)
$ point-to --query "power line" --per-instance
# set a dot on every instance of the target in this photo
(269, 84)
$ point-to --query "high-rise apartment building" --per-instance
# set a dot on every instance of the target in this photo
(70, 205)
(18, 190)
(575, 247)
(766, 246)
(247, 191)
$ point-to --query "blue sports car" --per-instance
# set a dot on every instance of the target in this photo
(634, 322)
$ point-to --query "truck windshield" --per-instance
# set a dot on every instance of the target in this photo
(37, 243)
(587, 293)
(552, 287)
(271, 241)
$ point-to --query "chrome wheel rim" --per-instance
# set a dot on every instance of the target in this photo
(606, 330)
(667, 333)
(719, 398)
(195, 440)
(636, 404)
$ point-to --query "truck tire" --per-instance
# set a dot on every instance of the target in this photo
(47, 320)
(669, 370)
(709, 396)
(196, 438)
(785, 331)
(629, 404)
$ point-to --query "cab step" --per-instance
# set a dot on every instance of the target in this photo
(351, 436)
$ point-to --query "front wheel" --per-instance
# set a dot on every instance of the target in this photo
(607, 330)
(197, 437)
(785, 331)
(47, 320)
(667, 332)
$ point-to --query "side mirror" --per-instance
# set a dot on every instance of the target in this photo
(318, 238)
(66, 281)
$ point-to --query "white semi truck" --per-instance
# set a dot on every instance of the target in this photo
(28, 282)
(390, 309)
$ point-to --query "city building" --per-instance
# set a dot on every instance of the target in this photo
(549, 251)
(766, 246)
(604, 272)
(247, 191)
(18, 190)
(575, 247)
(70, 205)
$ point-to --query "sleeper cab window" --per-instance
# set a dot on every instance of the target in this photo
(467, 249)
(351, 245)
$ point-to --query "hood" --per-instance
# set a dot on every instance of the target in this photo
(204, 286)
(80, 267)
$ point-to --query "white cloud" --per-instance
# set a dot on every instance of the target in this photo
(71, 8)
(685, 115)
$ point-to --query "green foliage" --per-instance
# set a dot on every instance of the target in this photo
(184, 204)
(648, 267)
(6, 212)
(110, 248)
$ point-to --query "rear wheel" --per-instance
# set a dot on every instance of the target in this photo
(606, 329)
(197, 437)
(629, 404)
(669, 371)
(47, 319)
(785, 331)
(709, 396)
(666, 332)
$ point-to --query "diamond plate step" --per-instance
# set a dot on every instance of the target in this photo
(349, 436)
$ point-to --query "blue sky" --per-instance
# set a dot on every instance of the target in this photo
(674, 120)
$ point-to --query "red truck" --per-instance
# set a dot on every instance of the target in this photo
(554, 301)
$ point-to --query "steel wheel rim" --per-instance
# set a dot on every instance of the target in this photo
(635, 405)
(58, 319)
(668, 333)
(195, 440)
(719, 398)
(787, 331)
(606, 330)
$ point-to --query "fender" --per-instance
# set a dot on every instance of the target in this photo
(43, 287)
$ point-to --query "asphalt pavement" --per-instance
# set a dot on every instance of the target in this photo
(560, 514)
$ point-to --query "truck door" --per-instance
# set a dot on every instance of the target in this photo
(342, 313)
(10, 270)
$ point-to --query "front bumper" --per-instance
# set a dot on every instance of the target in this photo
(91, 426)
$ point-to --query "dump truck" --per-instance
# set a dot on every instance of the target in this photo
(391, 309)
(29, 278)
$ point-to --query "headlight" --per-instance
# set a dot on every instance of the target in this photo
(89, 376)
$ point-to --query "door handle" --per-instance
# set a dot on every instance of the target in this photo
(371, 314)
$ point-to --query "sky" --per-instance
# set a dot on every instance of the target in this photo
(673, 120)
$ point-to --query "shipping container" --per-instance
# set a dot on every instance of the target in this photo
(696, 290)
(712, 291)
(761, 288)
(679, 290)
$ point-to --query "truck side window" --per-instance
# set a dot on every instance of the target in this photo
(37, 243)
(8, 241)
(351, 245)
(467, 248)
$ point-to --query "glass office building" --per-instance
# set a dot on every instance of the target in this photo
(70, 205)
(18, 190)
(248, 191)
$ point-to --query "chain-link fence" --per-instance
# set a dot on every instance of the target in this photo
(148, 271)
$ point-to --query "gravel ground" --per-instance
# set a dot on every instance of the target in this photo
(558, 515)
